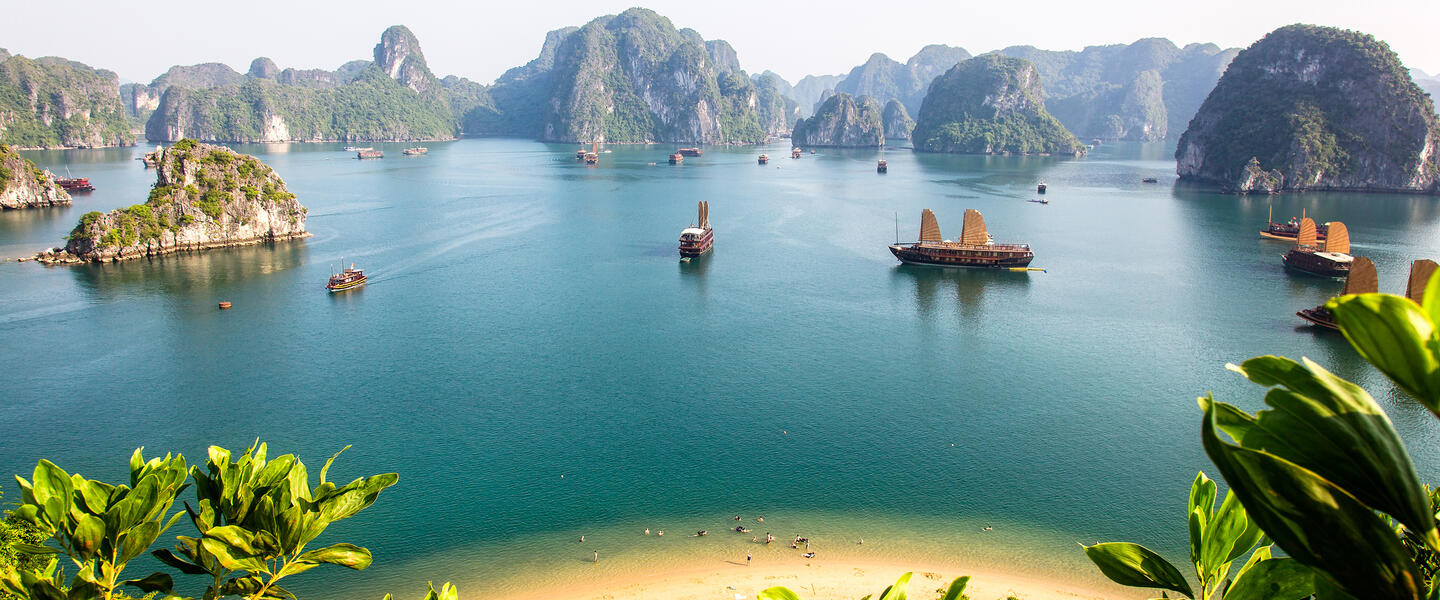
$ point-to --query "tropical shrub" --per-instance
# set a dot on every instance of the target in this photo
(898, 591)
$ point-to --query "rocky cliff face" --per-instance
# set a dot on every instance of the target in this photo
(263, 68)
(204, 197)
(396, 98)
(1145, 91)
(23, 185)
(772, 108)
(631, 77)
(56, 103)
(990, 104)
(1325, 108)
(398, 55)
(811, 90)
(843, 121)
(897, 121)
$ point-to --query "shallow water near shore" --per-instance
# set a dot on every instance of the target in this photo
(527, 318)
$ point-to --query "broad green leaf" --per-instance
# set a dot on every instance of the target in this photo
(326, 469)
(345, 555)
(1332, 427)
(185, 566)
(1201, 505)
(777, 593)
(33, 549)
(1273, 579)
(295, 567)
(52, 489)
(1317, 523)
(1393, 334)
(154, 582)
(957, 588)
(85, 590)
(137, 463)
(1221, 534)
(448, 592)
(137, 541)
(1137, 566)
(1431, 302)
(86, 537)
(1196, 524)
(898, 591)
(94, 494)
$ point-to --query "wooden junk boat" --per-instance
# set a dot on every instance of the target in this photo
(689, 152)
(76, 184)
(697, 239)
(974, 249)
(593, 156)
(1291, 230)
(416, 151)
(348, 279)
(677, 158)
(882, 167)
(1362, 280)
(365, 153)
(1331, 260)
(764, 159)
(795, 152)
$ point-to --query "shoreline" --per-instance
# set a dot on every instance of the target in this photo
(812, 580)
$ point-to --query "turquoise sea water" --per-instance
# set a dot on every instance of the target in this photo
(527, 317)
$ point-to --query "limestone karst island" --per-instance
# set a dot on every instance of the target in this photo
(741, 301)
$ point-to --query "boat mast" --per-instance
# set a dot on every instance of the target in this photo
(897, 227)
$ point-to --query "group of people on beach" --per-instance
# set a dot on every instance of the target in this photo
(769, 538)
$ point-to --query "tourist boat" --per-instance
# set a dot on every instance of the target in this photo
(1040, 200)
(1040, 188)
(1149, 180)
(352, 148)
(697, 239)
(677, 158)
(1331, 260)
(580, 154)
(348, 279)
(77, 184)
(881, 167)
(365, 153)
(795, 152)
(1361, 280)
(974, 249)
(1289, 231)
(416, 151)
(764, 159)
(689, 152)
(593, 156)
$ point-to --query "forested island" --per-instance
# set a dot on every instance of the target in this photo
(991, 104)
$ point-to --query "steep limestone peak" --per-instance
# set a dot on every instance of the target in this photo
(723, 55)
(398, 55)
(263, 68)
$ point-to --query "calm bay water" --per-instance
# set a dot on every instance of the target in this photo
(527, 317)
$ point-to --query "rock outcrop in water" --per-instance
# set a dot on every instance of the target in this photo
(51, 102)
(395, 98)
(990, 104)
(24, 185)
(843, 121)
(1327, 109)
(631, 77)
(1145, 91)
(898, 123)
(204, 197)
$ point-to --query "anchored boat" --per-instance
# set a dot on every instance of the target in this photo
(975, 248)
(1040, 188)
(689, 152)
(77, 184)
(348, 279)
(677, 158)
(697, 239)
(795, 152)
(1291, 230)
(416, 151)
(1331, 260)
(764, 159)
(882, 167)
(1362, 280)
(365, 153)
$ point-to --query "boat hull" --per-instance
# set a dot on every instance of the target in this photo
(1311, 263)
(979, 257)
(1319, 316)
(345, 287)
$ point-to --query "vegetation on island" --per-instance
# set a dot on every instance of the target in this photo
(254, 519)
(990, 104)
(51, 102)
(1328, 108)
(843, 121)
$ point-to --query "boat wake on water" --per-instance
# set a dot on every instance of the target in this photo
(427, 251)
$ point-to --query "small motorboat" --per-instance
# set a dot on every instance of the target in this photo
(1041, 188)
(1149, 180)
(1040, 200)
(882, 166)
(348, 279)
(764, 159)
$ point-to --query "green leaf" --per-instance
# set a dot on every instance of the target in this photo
(86, 537)
(326, 469)
(34, 550)
(1393, 334)
(1272, 579)
(778, 592)
(1333, 428)
(52, 490)
(345, 555)
(155, 582)
(1137, 566)
(230, 545)
(185, 566)
(897, 591)
(137, 541)
(1221, 535)
(1316, 522)
(956, 591)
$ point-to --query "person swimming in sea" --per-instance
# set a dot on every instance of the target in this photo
(647, 531)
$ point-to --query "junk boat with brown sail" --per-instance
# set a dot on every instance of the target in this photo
(1362, 280)
(348, 279)
(974, 249)
(697, 239)
(1308, 256)
(593, 156)
(1291, 230)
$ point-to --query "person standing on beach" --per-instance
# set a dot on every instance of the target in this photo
(747, 559)
(597, 556)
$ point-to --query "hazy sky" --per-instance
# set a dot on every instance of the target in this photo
(480, 40)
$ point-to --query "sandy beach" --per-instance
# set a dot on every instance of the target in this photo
(816, 580)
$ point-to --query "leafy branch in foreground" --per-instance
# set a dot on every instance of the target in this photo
(100, 527)
(1217, 539)
(256, 517)
(898, 591)
(447, 592)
